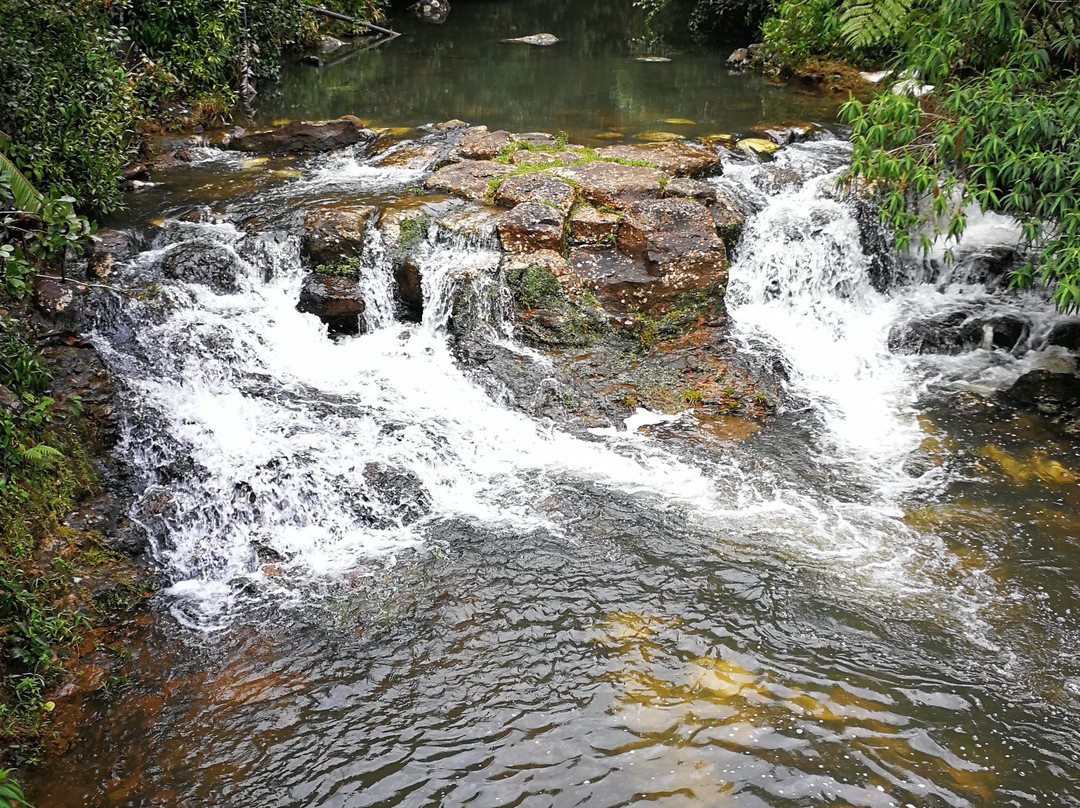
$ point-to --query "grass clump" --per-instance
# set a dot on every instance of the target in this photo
(348, 267)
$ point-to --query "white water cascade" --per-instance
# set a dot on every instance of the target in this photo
(271, 459)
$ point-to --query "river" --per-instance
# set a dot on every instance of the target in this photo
(874, 601)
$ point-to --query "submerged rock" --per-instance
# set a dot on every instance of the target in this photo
(955, 332)
(336, 300)
(540, 40)
(1054, 395)
(306, 137)
(431, 11)
(399, 491)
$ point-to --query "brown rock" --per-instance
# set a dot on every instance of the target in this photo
(525, 157)
(469, 179)
(690, 189)
(531, 226)
(786, 132)
(535, 138)
(536, 187)
(479, 144)
(678, 158)
(669, 247)
(409, 155)
(613, 184)
(474, 222)
(591, 226)
(333, 233)
(306, 137)
(337, 301)
(52, 298)
(728, 220)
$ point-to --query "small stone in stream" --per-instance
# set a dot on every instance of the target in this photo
(479, 144)
(678, 158)
(540, 40)
(306, 137)
(690, 189)
(332, 234)
(756, 146)
(337, 301)
(453, 123)
(536, 187)
(328, 44)
(401, 492)
(531, 226)
(470, 179)
(653, 59)
(591, 226)
(786, 132)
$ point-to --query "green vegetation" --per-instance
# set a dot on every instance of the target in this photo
(534, 287)
(344, 268)
(10, 791)
(413, 231)
(995, 125)
(80, 81)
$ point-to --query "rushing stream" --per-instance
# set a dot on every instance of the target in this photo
(391, 588)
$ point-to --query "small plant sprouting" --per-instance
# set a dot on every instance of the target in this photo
(343, 268)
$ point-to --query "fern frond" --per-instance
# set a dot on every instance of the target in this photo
(41, 456)
(864, 23)
(27, 197)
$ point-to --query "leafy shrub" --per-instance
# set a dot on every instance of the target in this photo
(345, 268)
(67, 100)
(1000, 131)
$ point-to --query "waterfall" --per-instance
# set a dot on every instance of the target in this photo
(268, 459)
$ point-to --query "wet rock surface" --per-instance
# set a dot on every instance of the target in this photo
(306, 137)
(213, 265)
(336, 300)
(334, 233)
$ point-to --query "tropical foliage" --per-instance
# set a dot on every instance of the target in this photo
(1000, 131)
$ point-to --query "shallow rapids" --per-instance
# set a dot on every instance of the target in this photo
(391, 587)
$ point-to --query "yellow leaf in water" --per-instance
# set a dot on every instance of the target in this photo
(157, 222)
(282, 122)
(679, 121)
